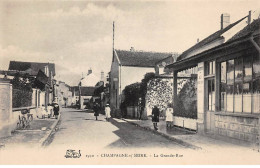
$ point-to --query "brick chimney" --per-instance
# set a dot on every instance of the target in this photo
(224, 20)
(132, 49)
(90, 71)
(102, 76)
(249, 17)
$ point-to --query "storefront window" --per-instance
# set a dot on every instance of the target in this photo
(230, 85)
(210, 68)
(247, 88)
(223, 85)
(211, 95)
(238, 87)
(256, 85)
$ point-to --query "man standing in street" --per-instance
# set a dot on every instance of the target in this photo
(155, 117)
(56, 109)
(140, 109)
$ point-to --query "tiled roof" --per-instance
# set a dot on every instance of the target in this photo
(254, 26)
(87, 91)
(208, 39)
(31, 67)
(140, 58)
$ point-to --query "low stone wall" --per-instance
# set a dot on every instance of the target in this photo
(17, 112)
(240, 127)
(185, 122)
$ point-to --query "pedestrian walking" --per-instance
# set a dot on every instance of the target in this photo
(140, 108)
(49, 109)
(155, 117)
(169, 116)
(107, 111)
(56, 109)
(96, 110)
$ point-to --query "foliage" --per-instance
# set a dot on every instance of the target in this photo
(143, 86)
(132, 93)
(159, 92)
(22, 90)
(99, 90)
(186, 103)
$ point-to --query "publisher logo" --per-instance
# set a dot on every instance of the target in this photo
(72, 154)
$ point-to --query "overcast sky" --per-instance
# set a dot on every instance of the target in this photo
(77, 35)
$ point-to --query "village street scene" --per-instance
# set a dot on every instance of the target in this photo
(142, 82)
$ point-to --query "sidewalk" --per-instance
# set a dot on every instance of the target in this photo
(35, 136)
(188, 138)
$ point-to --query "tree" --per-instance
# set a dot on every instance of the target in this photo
(143, 86)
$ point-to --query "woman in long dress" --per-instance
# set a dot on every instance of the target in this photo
(169, 116)
(107, 111)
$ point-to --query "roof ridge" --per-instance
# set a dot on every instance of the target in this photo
(142, 51)
(204, 42)
(33, 62)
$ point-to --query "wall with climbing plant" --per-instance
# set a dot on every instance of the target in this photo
(160, 92)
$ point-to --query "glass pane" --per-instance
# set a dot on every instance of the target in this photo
(247, 88)
(209, 96)
(223, 86)
(256, 85)
(213, 95)
(230, 85)
(238, 85)
(213, 67)
(210, 68)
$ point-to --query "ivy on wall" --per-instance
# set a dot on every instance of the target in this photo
(22, 90)
(159, 92)
(186, 105)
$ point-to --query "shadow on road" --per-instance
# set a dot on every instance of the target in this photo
(93, 119)
(131, 136)
(81, 111)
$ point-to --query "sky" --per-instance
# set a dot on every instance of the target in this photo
(77, 35)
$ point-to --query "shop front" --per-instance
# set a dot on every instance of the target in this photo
(228, 89)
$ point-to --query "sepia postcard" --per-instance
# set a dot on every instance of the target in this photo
(139, 82)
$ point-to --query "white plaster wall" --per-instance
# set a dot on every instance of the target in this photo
(185, 122)
(5, 109)
(42, 98)
(200, 92)
(131, 75)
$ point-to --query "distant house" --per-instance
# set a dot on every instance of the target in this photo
(161, 64)
(85, 95)
(129, 67)
(75, 94)
(43, 74)
(64, 94)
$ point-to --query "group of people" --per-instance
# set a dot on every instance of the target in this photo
(155, 114)
(168, 119)
(97, 109)
(52, 109)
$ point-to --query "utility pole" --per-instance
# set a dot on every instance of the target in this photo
(113, 36)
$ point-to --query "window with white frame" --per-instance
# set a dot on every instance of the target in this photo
(240, 85)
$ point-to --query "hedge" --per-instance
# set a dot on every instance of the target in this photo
(21, 98)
